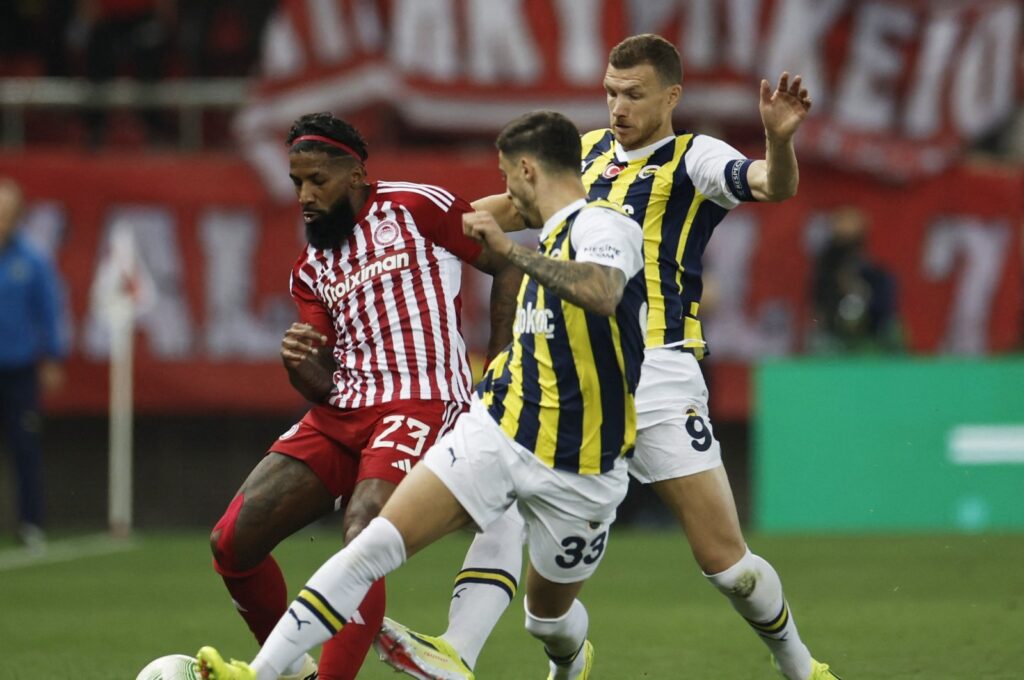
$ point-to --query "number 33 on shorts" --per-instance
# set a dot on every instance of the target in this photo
(578, 549)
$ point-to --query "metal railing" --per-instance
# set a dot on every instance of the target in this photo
(188, 97)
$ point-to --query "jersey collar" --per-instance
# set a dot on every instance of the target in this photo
(623, 156)
(559, 217)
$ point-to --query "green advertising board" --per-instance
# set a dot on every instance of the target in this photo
(889, 445)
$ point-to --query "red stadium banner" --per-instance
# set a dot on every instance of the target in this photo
(900, 87)
(217, 253)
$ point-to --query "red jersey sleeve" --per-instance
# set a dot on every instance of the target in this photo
(311, 309)
(444, 227)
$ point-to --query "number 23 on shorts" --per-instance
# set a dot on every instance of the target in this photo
(415, 431)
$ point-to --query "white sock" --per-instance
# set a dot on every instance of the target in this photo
(563, 639)
(486, 585)
(330, 597)
(755, 591)
(296, 666)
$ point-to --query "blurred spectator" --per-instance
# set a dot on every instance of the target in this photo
(32, 347)
(855, 299)
(32, 37)
(221, 38)
(124, 37)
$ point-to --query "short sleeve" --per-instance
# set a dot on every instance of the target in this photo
(609, 238)
(311, 309)
(718, 171)
(441, 221)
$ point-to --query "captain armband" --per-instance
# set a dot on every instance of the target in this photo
(736, 178)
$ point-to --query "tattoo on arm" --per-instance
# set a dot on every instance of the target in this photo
(588, 285)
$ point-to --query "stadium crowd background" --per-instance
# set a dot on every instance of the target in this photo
(91, 143)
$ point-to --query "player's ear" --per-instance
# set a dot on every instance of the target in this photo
(528, 168)
(358, 174)
(673, 94)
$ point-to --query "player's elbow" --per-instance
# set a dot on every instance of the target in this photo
(607, 305)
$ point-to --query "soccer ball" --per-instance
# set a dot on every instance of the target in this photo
(172, 667)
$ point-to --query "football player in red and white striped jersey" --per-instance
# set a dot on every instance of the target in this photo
(378, 351)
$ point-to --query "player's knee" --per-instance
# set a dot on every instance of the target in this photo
(541, 628)
(233, 549)
(363, 508)
(739, 579)
(355, 522)
(546, 628)
(215, 542)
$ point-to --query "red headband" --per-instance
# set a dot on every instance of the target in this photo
(327, 140)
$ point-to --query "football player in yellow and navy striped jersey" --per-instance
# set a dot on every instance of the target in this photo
(564, 388)
(657, 190)
(549, 430)
(678, 187)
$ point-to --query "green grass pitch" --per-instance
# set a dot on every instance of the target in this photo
(873, 607)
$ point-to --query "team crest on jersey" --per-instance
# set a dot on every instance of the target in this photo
(611, 171)
(385, 233)
(648, 170)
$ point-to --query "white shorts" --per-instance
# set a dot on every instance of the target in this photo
(567, 515)
(674, 437)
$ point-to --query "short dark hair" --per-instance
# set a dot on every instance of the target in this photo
(648, 48)
(548, 136)
(326, 124)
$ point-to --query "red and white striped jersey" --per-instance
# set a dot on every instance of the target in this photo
(388, 298)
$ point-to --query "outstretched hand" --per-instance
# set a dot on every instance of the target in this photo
(783, 110)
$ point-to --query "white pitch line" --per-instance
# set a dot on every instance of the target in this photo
(64, 551)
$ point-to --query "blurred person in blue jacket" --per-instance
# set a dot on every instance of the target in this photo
(32, 348)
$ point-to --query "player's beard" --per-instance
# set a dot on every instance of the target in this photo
(328, 230)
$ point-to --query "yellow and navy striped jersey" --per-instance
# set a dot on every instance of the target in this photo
(657, 191)
(564, 386)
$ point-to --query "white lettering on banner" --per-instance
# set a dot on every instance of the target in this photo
(982, 248)
(581, 54)
(229, 239)
(330, 36)
(811, 20)
(283, 53)
(700, 42)
(501, 46)
(530, 319)
(167, 323)
(984, 89)
(369, 25)
(423, 38)
(741, 44)
(898, 86)
(337, 291)
(867, 96)
(924, 112)
(648, 16)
